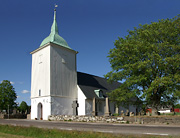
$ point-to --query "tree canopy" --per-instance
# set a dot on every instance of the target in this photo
(148, 61)
(177, 106)
(7, 95)
(23, 107)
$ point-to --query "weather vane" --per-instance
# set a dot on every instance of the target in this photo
(55, 6)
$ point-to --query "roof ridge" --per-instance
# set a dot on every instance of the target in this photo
(91, 75)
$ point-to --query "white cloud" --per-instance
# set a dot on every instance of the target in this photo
(25, 91)
(12, 82)
(20, 82)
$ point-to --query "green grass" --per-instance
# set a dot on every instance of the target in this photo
(170, 114)
(4, 135)
(32, 132)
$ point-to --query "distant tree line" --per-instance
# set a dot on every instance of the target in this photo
(8, 98)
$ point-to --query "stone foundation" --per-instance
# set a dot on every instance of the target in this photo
(86, 119)
(16, 116)
(164, 120)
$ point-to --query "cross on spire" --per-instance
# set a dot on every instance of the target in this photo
(55, 6)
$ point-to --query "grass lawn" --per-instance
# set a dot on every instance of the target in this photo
(172, 113)
(7, 131)
(4, 135)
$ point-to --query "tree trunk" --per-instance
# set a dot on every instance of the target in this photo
(154, 111)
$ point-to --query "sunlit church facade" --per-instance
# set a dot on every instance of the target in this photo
(58, 89)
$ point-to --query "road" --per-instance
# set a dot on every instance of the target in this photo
(98, 127)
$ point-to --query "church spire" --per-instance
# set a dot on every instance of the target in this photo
(55, 11)
(54, 27)
(54, 36)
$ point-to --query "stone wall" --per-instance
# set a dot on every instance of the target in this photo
(29, 116)
(86, 118)
(16, 116)
(1, 116)
(174, 120)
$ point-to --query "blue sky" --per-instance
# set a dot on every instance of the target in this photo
(89, 27)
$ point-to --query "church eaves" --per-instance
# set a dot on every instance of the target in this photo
(54, 36)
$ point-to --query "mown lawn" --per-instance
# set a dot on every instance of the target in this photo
(172, 114)
(7, 131)
(4, 135)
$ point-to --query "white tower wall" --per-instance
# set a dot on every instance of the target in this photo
(63, 80)
(53, 81)
(40, 73)
(63, 72)
(54, 77)
(46, 107)
(40, 83)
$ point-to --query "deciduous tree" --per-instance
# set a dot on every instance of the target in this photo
(23, 107)
(148, 61)
(7, 95)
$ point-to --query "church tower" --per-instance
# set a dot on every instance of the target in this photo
(53, 77)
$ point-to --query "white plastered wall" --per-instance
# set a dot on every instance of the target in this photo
(40, 81)
(46, 107)
(63, 72)
(61, 105)
(81, 101)
(101, 107)
(40, 73)
(88, 106)
(54, 74)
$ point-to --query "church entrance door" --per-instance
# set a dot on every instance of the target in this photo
(40, 111)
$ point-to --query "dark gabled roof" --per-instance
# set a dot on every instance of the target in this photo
(88, 83)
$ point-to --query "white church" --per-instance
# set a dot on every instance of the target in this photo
(58, 89)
